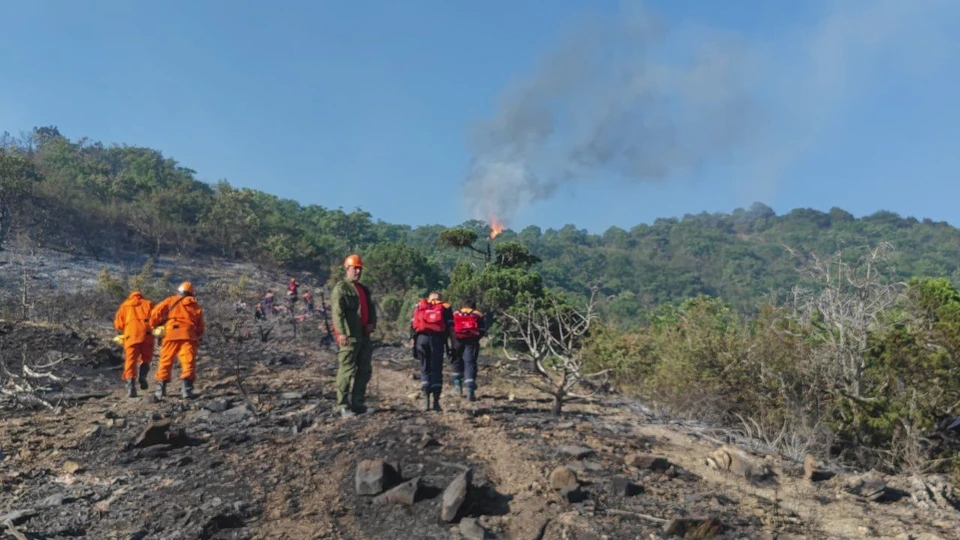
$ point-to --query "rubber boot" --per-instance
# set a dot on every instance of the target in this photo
(161, 389)
(470, 395)
(426, 402)
(144, 370)
(187, 390)
(132, 388)
(458, 387)
(436, 402)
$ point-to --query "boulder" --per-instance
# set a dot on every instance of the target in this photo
(374, 476)
(736, 461)
(562, 477)
(471, 530)
(405, 493)
(621, 486)
(455, 495)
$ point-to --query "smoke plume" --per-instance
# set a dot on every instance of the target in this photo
(625, 97)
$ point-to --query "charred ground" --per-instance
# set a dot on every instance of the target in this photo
(260, 455)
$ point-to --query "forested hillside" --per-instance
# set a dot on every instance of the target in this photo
(96, 199)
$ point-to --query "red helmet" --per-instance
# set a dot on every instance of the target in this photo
(352, 260)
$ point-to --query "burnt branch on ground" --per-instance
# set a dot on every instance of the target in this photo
(25, 378)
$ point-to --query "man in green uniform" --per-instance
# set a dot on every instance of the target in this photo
(354, 319)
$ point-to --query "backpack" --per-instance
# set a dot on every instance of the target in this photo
(428, 317)
(466, 325)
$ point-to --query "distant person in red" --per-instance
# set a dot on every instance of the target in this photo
(292, 293)
(268, 302)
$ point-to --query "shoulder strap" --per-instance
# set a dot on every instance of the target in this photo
(169, 309)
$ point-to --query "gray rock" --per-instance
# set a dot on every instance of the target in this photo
(405, 493)
(238, 412)
(455, 495)
(585, 466)
(155, 433)
(374, 476)
(56, 500)
(644, 461)
(621, 486)
(578, 452)
(472, 530)
(291, 395)
(218, 405)
(870, 486)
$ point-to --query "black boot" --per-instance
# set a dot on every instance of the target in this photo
(426, 401)
(470, 396)
(187, 390)
(144, 370)
(132, 388)
(436, 402)
(161, 389)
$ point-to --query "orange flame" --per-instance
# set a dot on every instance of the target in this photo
(496, 227)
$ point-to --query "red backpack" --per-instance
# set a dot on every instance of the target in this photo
(466, 325)
(428, 317)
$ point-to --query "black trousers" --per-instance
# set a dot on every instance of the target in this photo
(465, 362)
(429, 350)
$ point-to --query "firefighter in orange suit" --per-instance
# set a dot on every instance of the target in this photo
(133, 322)
(181, 318)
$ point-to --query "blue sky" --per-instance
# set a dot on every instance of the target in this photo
(371, 104)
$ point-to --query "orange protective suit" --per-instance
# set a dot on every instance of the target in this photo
(183, 328)
(133, 319)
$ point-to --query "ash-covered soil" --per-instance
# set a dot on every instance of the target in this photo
(260, 454)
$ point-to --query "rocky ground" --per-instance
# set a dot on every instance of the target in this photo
(260, 454)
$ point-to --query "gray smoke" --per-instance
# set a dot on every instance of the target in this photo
(609, 102)
(626, 97)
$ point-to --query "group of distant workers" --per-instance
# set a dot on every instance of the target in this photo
(435, 328)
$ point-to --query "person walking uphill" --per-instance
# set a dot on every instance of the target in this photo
(432, 323)
(468, 327)
(133, 320)
(181, 320)
(354, 319)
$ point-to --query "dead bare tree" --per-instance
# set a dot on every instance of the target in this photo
(550, 332)
(24, 379)
(850, 297)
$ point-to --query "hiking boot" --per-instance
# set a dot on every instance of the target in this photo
(359, 409)
(131, 388)
(436, 403)
(161, 389)
(144, 370)
(470, 395)
(347, 413)
(426, 402)
(458, 388)
(186, 390)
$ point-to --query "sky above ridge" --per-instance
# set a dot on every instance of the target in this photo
(607, 113)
